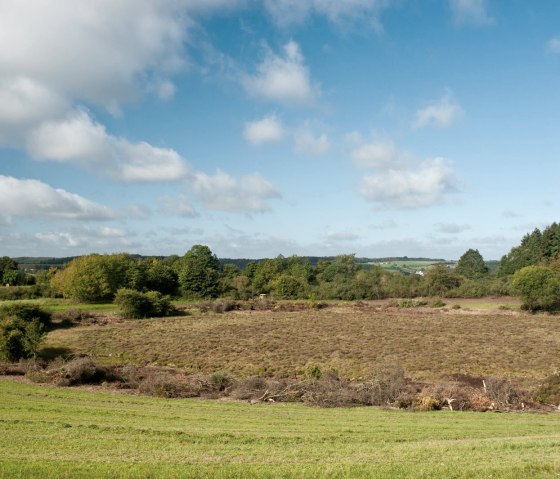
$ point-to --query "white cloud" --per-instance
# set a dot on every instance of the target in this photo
(339, 12)
(450, 228)
(23, 103)
(430, 184)
(283, 79)
(223, 192)
(440, 114)
(267, 130)
(308, 143)
(179, 206)
(554, 45)
(105, 50)
(80, 140)
(470, 12)
(376, 154)
(33, 198)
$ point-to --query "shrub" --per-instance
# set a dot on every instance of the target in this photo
(437, 303)
(385, 384)
(26, 312)
(538, 287)
(253, 387)
(223, 306)
(19, 338)
(549, 391)
(20, 292)
(221, 380)
(501, 392)
(313, 371)
(82, 371)
(133, 304)
(410, 303)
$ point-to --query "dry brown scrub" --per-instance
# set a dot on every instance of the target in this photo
(350, 338)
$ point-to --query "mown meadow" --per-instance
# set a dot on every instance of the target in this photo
(51, 432)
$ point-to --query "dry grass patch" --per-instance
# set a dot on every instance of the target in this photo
(428, 343)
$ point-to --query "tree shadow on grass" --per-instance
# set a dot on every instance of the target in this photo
(50, 353)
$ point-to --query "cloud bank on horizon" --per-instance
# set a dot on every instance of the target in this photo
(260, 127)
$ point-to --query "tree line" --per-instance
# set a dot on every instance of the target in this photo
(530, 270)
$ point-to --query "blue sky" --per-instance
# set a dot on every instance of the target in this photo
(308, 127)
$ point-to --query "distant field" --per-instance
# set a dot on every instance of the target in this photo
(350, 337)
(50, 433)
(407, 267)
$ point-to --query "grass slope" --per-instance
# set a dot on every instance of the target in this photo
(350, 338)
(52, 433)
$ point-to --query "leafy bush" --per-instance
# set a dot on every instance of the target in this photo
(133, 304)
(21, 292)
(538, 287)
(19, 338)
(26, 312)
(22, 327)
(410, 303)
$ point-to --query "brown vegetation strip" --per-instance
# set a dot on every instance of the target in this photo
(429, 344)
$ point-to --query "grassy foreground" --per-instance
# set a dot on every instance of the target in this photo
(48, 432)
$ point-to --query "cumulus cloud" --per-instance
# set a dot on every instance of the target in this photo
(428, 185)
(267, 130)
(375, 154)
(339, 12)
(282, 78)
(308, 143)
(118, 46)
(440, 114)
(451, 228)
(249, 194)
(107, 54)
(79, 139)
(470, 12)
(33, 198)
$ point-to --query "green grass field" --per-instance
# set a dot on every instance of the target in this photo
(47, 432)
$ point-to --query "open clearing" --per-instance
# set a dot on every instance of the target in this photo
(49, 432)
(350, 337)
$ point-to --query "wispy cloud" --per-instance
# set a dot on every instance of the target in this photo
(470, 12)
(553, 45)
(451, 228)
(377, 154)
(441, 113)
(342, 13)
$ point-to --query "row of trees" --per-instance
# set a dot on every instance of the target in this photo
(198, 274)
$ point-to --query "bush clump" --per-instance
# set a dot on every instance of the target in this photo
(549, 391)
(22, 327)
(135, 305)
(82, 371)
